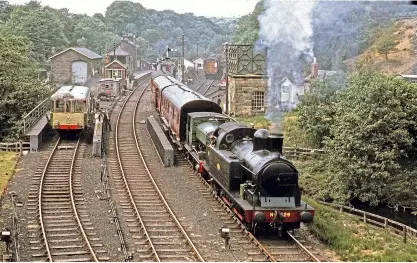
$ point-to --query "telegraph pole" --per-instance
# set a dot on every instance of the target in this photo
(183, 60)
(227, 77)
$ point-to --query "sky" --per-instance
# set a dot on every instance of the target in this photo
(218, 8)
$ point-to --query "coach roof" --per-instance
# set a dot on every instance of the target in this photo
(176, 92)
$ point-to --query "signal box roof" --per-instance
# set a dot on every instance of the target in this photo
(71, 92)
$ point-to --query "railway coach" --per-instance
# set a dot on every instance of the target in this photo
(174, 101)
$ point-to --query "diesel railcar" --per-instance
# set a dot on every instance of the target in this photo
(245, 166)
(71, 109)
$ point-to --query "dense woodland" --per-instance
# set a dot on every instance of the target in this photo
(31, 33)
(364, 119)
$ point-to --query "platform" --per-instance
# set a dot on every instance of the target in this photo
(162, 145)
(36, 133)
(140, 74)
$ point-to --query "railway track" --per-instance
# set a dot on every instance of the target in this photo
(209, 86)
(63, 231)
(157, 233)
(201, 85)
(258, 249)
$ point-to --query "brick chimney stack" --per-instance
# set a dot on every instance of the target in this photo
(314, 69)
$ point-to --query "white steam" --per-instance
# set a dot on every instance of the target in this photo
(286, 31)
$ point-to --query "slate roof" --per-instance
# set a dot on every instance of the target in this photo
(119, 52)
(88, 53)
(83, 51)
(115, 61)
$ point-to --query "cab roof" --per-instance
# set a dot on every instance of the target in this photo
(71, 92)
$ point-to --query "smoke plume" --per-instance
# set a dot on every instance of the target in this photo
(285, 29)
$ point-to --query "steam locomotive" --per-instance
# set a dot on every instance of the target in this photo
(245, 166)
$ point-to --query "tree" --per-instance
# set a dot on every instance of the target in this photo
(316, 109)
(20, 91)
(5, 10)
(385, 43)
(42, 27)
(121, 13)
(100, 16)
(372, 150)
(247, 27)
(95, 33)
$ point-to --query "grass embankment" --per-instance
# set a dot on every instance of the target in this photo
(355, 241)
(7, 164)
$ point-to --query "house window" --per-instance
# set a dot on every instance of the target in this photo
(258, 101)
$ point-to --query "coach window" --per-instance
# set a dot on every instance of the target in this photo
(258, 101)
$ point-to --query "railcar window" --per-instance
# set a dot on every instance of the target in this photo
(258, 101)
(59, 106)
(79, 106)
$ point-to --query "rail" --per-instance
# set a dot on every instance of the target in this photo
(30, 119)
(378, 221)
(14, 146)
(303, 248)
(189, 241)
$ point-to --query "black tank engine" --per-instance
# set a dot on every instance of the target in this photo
(255, 179)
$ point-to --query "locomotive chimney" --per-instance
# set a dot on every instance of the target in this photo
(314, 69)
(260, 140)
(275, 142)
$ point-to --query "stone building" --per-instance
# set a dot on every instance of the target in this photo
(247, 81)
(126, 53)
(75, 65)
(247, 94)
(128, 43)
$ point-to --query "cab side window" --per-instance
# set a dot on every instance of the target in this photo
(59, 106)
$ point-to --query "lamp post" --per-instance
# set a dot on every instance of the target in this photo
(226, 50)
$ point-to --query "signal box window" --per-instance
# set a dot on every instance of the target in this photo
(258, 101)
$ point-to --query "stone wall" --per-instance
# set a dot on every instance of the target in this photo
(61, 66)
(131, 49)
(241, 89)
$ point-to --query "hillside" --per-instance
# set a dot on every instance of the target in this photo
(401, 60)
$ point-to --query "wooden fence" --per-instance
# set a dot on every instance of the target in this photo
(378, 221)
(14, 146)
(293, 152)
